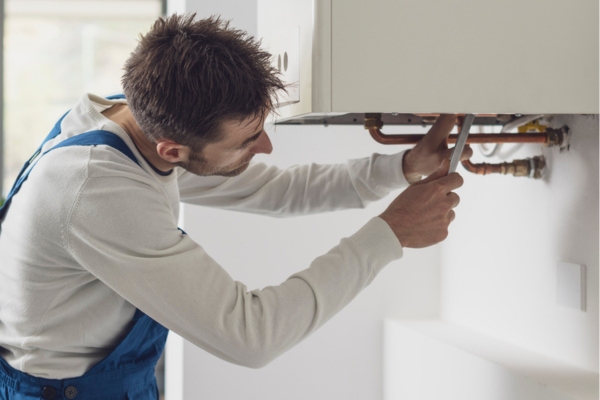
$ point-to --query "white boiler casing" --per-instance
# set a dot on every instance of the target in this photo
(415, 56)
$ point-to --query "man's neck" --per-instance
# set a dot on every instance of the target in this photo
(122, 116)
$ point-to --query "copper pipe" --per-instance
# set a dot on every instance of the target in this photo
(481, 169)
(532, 167)
(528, 167)
(543, 138)
(552, 137)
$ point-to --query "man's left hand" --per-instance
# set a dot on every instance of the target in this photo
(427, 156)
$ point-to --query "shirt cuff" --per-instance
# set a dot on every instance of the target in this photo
(388, 173)
(379, 242)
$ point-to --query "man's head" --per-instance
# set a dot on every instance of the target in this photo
(231, 155)
(205, 86)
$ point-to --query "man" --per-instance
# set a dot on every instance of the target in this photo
(93, 268)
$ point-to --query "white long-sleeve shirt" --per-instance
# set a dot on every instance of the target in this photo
(91, 236)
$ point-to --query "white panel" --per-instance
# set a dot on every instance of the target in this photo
(496, 56)
(286, 58)
(321, 57)
(434, 360)
(241, 13)
(277, 18)
(176, 7)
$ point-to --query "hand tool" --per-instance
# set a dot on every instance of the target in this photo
(460, 142)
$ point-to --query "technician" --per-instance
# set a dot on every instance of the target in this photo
(93, 268)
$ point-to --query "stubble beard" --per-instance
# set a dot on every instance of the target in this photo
(199, 166)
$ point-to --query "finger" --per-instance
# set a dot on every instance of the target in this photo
(454, 198)
(450, 182)
(467, 153)
(451, 215)
(437, 135)
(437, 174)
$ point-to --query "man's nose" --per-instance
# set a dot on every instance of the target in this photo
(262, 145)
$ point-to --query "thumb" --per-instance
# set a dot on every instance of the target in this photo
(437, 174)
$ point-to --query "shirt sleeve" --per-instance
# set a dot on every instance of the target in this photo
(123, 232)
(305, 189)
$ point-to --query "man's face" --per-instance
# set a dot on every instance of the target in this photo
(231, 155)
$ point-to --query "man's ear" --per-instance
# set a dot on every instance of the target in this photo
(172, 152)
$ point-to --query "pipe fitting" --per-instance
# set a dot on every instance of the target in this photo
(530, 167)
(558, 137)
(538, 167)
(373, 121)
(516, 168)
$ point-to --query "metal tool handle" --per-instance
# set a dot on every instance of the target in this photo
(460, 142)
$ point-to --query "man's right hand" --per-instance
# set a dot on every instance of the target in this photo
(420, 215)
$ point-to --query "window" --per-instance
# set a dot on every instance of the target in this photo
(54, 52)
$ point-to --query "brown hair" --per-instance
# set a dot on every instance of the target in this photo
(186, 77)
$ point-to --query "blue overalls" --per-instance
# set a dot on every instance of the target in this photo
(128, 371)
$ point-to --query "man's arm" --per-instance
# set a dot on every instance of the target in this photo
(298, 190)
(316, 188)
(123, 231)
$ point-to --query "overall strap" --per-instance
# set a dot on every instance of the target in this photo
(92, 138)
(54, 133)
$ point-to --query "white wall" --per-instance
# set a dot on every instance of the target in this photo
(241, 13)
(344, 358)
(499, 264)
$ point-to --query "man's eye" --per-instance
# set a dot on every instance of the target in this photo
(246, 145)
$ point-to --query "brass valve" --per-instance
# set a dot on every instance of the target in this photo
(373, 121)
(531, 167)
